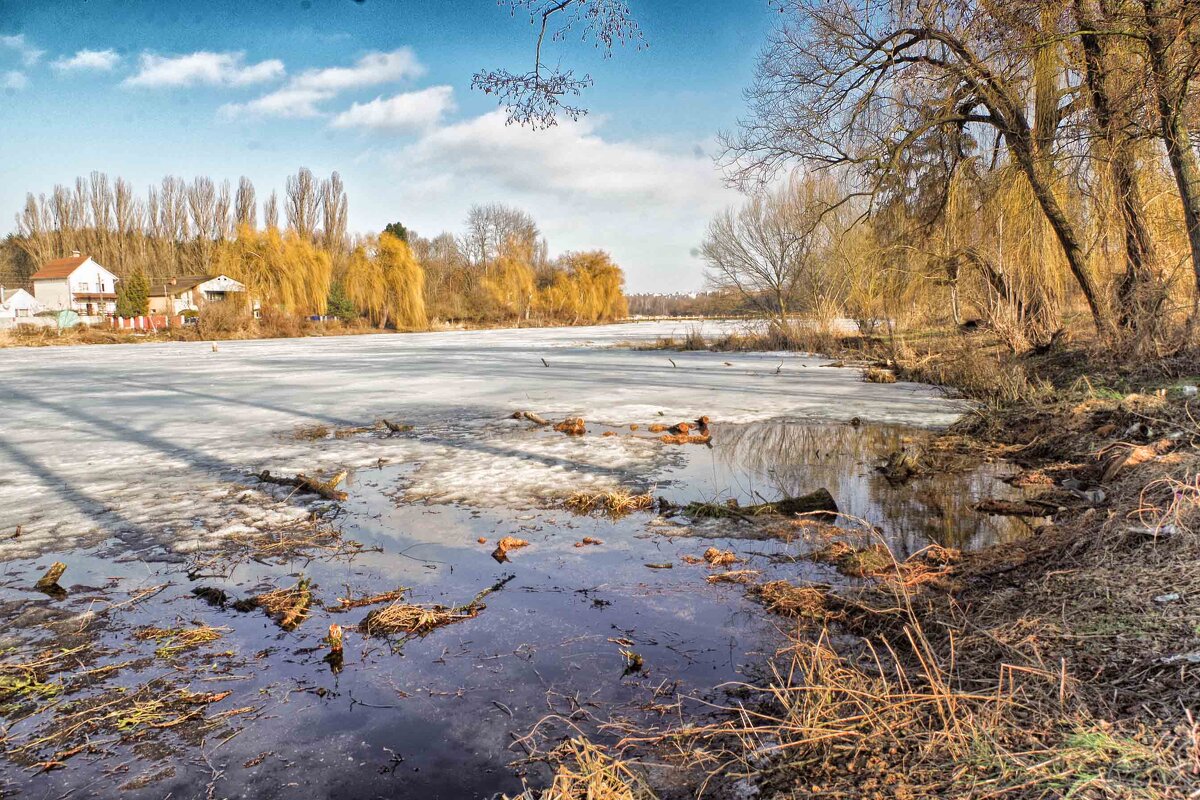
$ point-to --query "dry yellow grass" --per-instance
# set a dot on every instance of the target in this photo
(585, 772)
(173, 641)
(614, 502)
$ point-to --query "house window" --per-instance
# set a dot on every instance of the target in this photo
(83, 287)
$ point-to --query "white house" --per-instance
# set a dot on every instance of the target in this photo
(77, 283)
(192, 292)
(18, 304)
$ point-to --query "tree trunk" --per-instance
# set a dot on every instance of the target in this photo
(1171, 95)
(1138, 277)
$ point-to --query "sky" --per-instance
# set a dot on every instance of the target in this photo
(380, 91)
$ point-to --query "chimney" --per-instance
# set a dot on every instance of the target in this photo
(74, 254)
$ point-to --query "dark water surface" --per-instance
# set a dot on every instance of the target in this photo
(437, 717)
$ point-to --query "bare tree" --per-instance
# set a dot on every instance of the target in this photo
(536, 98)
(848, 83)
(772, 249)
(302, 199)
(1171, 34)
(245, 207)
(334, 211)
(271, 211)
(490, 226)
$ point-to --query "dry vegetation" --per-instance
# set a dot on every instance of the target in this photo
(498, 272)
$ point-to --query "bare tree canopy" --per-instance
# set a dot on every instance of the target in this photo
(535, 98)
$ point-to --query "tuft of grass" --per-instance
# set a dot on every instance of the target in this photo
(613, 502)
(173, 641)
(877, 375)
(584, 771)
(855, 562)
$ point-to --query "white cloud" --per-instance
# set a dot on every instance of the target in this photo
(647, 203)
(97, 60)
(300, 96)
(203, 68)
(410, 111)
(370, 70)
(13, 81)
(569, 159)
(30, 55)
(287, 102)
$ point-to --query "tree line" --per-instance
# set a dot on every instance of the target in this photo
(301, 260)
(1021, 163)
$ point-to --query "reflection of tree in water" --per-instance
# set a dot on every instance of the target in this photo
(769, 459)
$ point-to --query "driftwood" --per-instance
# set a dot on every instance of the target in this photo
(532, 417)
(818, 502)
(50, 579)
(327, 489)
(396, 427)
(1014, 508)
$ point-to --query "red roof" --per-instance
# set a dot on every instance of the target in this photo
(59, 268)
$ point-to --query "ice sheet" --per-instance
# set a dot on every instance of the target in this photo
(153, 445)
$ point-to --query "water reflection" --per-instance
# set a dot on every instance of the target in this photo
(763, 461)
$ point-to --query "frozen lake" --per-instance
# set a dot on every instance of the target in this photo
(141, 442)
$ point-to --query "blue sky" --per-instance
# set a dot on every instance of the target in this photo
(380, 92)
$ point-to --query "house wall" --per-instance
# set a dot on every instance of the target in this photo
(55, 294)
(19, 303)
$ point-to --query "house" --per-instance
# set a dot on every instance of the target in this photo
(77, 283)
(18, 304)
(191, 292)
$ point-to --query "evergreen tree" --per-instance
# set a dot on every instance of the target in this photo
(398, 230)
(133, 295)
(340, 305)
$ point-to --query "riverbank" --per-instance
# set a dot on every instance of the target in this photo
(1065, 663)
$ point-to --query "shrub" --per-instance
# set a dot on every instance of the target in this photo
(222, 319)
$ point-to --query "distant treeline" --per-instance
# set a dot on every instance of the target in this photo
(296, 257)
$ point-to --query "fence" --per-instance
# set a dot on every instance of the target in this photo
(149, 322)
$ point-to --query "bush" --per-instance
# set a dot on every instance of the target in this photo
(221, 319)
(278, 324)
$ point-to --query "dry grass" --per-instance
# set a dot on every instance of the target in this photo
(288, 607)
(613, 502)
(735, 576)
(174, 641)
(156, 705)
(877, 375)
(348, 603)
(419, 620)
(863, 562)
(584, 771)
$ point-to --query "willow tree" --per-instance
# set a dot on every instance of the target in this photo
(858, 85)
(280, 270)
(386, 283)
(510, 281)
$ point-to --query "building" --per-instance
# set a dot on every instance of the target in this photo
(18, 304)
(191, 292)
(77, 283)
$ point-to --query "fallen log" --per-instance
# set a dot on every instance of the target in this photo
(327, 489)
(817, 502)
(537, 419)
(1014, 508)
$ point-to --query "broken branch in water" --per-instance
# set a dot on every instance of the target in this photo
(532, 417)
(50, 579)
(818, 502)
(396, 427)
(327, 489)
(419, 620)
